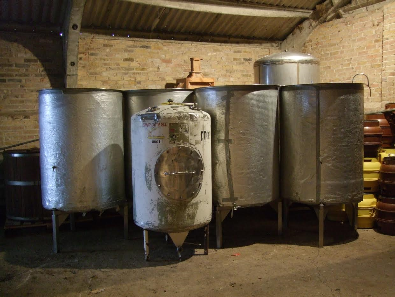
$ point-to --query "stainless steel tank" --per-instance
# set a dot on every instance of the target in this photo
(81, 140)
(171, 154)
(287, 68)
(322, 143)
(138, 100)
(244, 143)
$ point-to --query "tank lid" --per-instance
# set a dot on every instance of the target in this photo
(155, 91)
(288, 57)
(324, 86)
(75, 90)
(22, 152)
(249, 88)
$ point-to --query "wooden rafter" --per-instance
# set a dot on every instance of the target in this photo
(227, 8)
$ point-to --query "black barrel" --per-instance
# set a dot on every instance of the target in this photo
(2, 196)
(22, 183)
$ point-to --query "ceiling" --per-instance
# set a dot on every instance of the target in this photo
(194, 20)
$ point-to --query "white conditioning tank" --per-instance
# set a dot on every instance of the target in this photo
(171, 173)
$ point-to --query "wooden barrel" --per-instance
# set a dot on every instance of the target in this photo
(387, 177)
(385, 215)
(372, 138)
(390, 117)
(2, 195)
(390, 105)
(387, 139)
(23, 186)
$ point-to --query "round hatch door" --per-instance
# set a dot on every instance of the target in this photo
(179, 173)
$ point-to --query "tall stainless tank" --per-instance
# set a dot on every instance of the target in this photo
(138, 100)
(287, 68)
(322, 143)
(82, 163)
(244, 143)
(171, 152)
(244, 146)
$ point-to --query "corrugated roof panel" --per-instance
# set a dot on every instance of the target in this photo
(140, 19)
(33, 12)
(143, 18)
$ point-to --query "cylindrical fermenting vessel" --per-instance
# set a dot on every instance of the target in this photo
(287, 68)
(82, 164)
(244, 143)
(322, 143)
(171, 154)
(138, 100)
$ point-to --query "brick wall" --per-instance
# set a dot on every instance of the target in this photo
(28, 63)
(362, 41)
(388, 76)
(123, 63)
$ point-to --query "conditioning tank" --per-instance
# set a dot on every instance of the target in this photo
(322, 143)
(81, 142)
(138, 100)
(287, 68)
(171, 155)
(244, 144)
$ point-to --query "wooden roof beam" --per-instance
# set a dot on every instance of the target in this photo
(227, 8)
(72, 28)
(296, 40)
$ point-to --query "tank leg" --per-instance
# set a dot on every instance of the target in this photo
(280, 218)
(206, 239)
(55, 232)
(179, 250)
(218, 227)
(146, 245)
(72, 221)
(126, 221)
(355, 216)
(220, 215)
(286, 205)
(321, 218)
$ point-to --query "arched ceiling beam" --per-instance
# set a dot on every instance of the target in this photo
(71, 34)
(323, 13)
(226, 8)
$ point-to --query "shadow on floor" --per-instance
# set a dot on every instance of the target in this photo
(99, 244)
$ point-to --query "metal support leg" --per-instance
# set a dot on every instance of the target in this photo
(72, 221)
(220, 215)
(321, 218)
(218, 227)
(206, 239)
(285, 213)
(179, 251)
(55, 232)
(126, 221)
(355, 216)
(146, 245)
(280, 218)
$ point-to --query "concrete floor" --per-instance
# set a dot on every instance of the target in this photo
(96, 260)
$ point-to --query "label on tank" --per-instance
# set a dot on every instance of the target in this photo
(178, 133)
